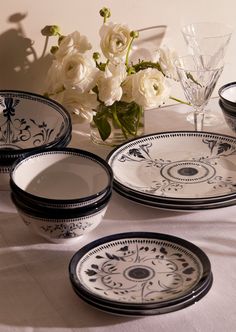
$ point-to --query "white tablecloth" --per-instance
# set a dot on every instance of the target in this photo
(35, 291)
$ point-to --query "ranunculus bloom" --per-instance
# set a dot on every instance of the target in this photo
(127, 89)
(74, 42)
(115, 39)
(79, 71)
(149, 88)
(167, 58)
(54, 82)
(109, 83)
(80, 105)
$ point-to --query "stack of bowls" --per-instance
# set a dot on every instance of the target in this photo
(29, 123)
(61, 193)
(227, 102)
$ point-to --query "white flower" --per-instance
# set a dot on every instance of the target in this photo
(80, 105)
(109, 83)
(127, 89)
(79, 71)
(115, 39)
(54, 82)
(149, 88)
(74, 42)
(167, 58)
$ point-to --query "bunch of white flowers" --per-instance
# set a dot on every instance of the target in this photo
(114, 88)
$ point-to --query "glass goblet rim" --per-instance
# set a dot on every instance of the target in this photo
(228, 30)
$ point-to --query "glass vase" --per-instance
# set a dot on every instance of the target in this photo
(119, 131)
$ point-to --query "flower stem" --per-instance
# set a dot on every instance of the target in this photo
(128, 52)
(180, 101)
(116, 119)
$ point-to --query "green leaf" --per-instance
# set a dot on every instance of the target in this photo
(129, 115)
(103, 126)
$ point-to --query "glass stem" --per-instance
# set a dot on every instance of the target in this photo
(199, 119)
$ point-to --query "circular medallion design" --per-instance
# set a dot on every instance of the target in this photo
(188, 171)
(138, 270)
(139, 273)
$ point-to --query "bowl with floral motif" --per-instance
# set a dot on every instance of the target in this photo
(61, 193)
(29, 122)
(62, 226)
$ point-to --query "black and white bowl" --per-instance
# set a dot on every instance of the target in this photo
(62, 226)
(61, 178)
(29, 122)
(61, 193)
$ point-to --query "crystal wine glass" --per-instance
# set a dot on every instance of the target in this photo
(211, 38)
(198, 79)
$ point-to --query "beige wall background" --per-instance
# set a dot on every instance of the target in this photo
(21, 43)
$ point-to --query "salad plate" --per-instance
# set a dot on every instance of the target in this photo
(183, 166)
(140, 270)
(136, 312)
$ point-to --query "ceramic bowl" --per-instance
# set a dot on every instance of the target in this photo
(62, 226)
(30, 122)
(227, 94)
(61, 178)
(229, 116)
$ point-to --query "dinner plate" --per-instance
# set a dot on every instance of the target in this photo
(136, 312)
(184, 166)
(179, 207)
(139, 270)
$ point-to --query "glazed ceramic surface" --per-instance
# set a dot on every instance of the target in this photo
(177, 165)
(139, 268)
(29, 121)
(139, 312)
(176, 206)
(227, 94)
(62, 178)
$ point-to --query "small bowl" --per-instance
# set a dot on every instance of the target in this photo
(61, 178)
(227, 94)
(61, 193)
(229, 116)
(29, 122)
(62, 226)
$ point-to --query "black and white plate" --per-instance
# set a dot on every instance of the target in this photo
(185, 166)
(141, 271)
(173, 206)
(149, 311)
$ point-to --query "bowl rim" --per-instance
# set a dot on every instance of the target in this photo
(55, 214)
(222, 89)
(13, 154)
(72, 201)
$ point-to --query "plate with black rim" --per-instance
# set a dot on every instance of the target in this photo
(184, 166)
(139, 270)
(170, 206)
(139, 312)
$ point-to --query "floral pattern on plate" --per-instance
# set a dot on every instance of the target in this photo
(177, 164)
(140, 269)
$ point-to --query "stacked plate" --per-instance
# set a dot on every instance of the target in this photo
(140, 273)
(182, 171)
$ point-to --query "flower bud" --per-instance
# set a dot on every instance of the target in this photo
(54, 49)
(50, 30)
(60, 39)
(105, 12)
(134, 34)
(96, 56)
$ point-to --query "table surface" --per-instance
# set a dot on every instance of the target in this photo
(35, 291)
